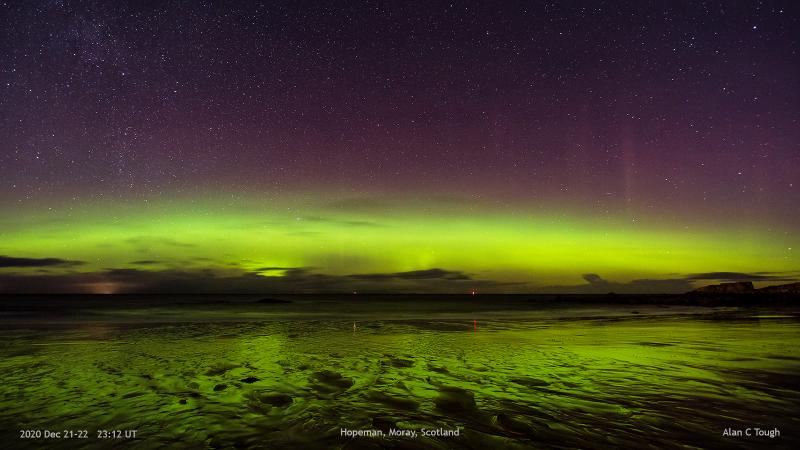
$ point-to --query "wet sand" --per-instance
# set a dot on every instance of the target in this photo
(234, 373)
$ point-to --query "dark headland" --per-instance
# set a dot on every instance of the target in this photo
(741, 293)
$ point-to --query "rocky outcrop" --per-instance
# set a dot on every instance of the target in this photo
(791, 288)
(741, 287)
(746, 287)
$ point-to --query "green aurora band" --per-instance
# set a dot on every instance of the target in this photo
(525, 249)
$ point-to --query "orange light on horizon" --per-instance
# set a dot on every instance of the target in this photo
(104, 287)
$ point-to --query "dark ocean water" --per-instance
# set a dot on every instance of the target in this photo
(506, 372)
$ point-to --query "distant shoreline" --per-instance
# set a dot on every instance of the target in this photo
(710, 299)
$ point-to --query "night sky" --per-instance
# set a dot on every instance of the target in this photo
(187, 146)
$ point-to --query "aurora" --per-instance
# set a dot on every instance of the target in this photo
(391, 246)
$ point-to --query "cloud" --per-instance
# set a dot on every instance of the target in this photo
(9, 261)
(122, 273)
(415, 275)
(593, 278)
(292, 280)
(595, 284)
(740, 276)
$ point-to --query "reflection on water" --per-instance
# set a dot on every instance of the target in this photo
(631, 381)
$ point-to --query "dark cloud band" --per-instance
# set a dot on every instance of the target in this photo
(8, 261)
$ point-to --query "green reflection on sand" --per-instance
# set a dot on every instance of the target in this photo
(592, 382)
